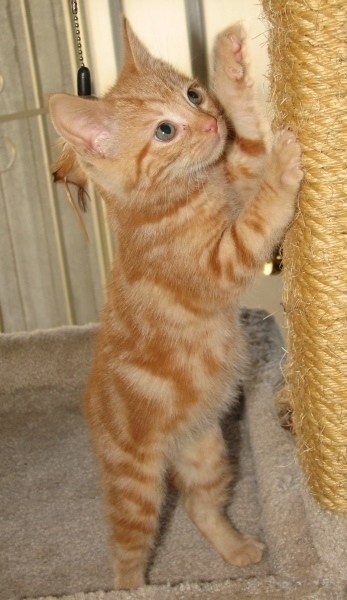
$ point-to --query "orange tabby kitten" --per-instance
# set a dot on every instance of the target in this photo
(197, 206)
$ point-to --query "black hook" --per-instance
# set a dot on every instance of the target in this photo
(84, 86)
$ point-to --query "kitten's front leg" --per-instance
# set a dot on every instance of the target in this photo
(263, 221)
(234, 85)
(261, 224)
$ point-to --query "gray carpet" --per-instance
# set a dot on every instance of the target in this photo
(53, 539)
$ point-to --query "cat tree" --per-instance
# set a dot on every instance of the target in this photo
(308, 82)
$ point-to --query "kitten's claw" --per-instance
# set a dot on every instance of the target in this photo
(236, 73)
(232, 50)
(236, 47)
(288, 153)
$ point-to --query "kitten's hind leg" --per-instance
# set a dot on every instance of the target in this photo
(134, 482)
(202, 474)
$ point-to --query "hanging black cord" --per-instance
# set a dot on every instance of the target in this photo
(84, 86)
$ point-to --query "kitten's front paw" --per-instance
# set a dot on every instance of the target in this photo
(232, 50)
(288, 153)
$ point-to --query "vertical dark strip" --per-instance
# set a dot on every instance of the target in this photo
(116, 15)
(197, 38)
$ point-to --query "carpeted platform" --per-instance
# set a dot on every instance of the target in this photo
(53, 538)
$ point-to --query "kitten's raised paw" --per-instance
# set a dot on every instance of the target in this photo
(289, 156)
(246, 551)
(232, 49)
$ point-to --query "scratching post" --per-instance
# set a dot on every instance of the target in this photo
(308, 82)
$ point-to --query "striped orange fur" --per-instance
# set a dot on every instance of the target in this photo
(197, 203)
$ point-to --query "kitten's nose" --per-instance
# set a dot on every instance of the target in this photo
(210, 124)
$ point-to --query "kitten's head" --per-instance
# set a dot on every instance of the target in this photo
(154, 127)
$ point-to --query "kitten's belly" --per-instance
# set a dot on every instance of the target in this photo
(159, 367)
(180, 367)
(154, 384)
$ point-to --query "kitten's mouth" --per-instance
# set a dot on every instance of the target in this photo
(214, 151)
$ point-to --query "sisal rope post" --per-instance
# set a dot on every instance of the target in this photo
(308, 82)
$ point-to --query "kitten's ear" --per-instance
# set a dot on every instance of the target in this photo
(136, 55)
(85, 124)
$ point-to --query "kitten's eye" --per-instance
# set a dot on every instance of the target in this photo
(165, 132)
(194, 96)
